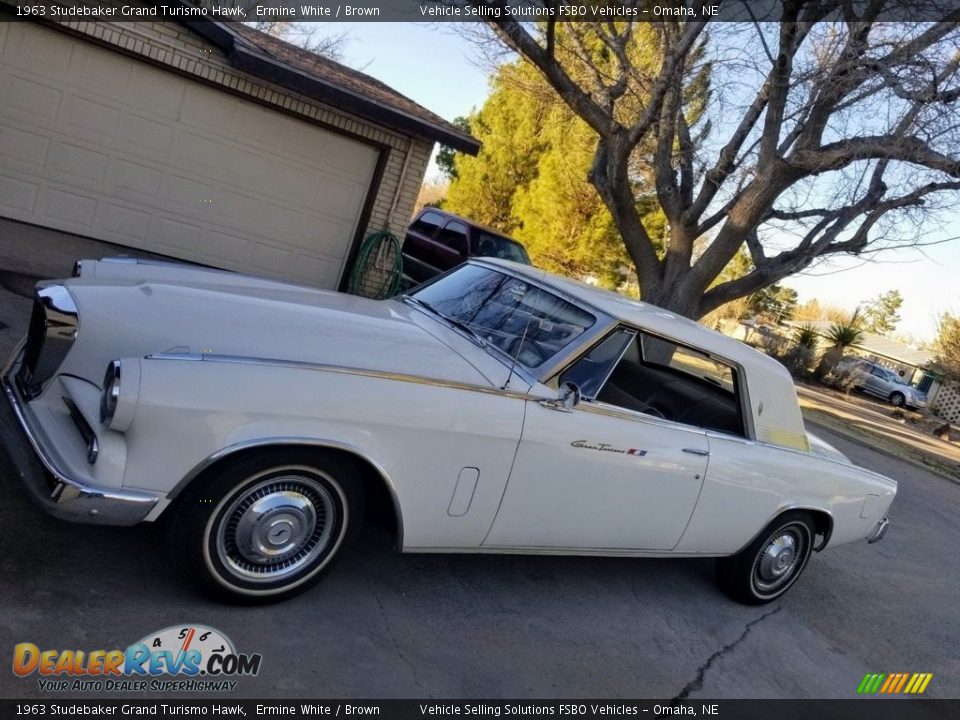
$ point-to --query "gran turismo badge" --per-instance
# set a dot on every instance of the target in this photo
(604, 447)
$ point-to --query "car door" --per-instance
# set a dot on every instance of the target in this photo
(598, 476)
(418, 245)
(450, 247)
(877, 382)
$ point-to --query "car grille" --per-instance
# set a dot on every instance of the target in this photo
(53, 328)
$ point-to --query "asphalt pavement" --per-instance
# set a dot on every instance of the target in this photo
(385, 625)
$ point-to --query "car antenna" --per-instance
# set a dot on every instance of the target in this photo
(523, 338)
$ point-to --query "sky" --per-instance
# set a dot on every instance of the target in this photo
(442, 71)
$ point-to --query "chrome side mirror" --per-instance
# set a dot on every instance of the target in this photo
(568, 398)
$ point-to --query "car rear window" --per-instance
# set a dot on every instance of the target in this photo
(490, 245)
(427, 223)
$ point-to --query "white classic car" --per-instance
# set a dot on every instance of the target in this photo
(495, 409)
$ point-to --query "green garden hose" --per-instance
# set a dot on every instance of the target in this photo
(378, 270)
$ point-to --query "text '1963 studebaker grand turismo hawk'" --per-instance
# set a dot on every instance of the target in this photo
(494, 409)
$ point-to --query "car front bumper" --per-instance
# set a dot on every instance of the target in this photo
(878, 531)
(52, 487)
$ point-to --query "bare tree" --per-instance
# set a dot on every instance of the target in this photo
(302, 34)
(308, 36)
(829, 132)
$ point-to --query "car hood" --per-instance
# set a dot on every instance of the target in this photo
(256, 319)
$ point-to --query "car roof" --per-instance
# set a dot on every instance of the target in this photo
(642, 314)
(472, 223)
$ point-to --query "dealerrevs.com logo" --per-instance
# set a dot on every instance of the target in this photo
(188, 658)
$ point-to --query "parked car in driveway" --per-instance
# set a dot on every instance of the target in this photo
(496, 409)
(437, 241)
(874, 379)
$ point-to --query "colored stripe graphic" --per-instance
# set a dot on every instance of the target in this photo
(894, 683)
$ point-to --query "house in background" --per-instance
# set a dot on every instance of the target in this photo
(206, 141)
(913, 364)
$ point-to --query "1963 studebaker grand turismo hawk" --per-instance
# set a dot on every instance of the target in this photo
(494, 409)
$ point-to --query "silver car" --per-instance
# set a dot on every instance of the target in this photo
(877, 380)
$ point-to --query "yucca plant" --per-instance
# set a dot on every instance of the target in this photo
(806, 337)
(801, 355)
(841, 336)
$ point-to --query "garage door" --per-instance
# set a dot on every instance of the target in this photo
(97, 144)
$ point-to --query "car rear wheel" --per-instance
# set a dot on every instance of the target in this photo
(267, 527)
(898, 399)
(771, 564)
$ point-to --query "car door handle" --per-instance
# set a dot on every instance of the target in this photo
(696, 451)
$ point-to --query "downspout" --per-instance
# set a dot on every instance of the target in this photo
(396, 193)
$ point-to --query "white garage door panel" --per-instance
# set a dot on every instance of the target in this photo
(98, 144)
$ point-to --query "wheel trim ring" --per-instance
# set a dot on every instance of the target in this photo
(246, 586)
(785, 577)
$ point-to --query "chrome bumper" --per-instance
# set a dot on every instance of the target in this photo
(879, 530)
(57, 493)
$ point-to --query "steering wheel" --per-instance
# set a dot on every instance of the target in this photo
(655, 411)
(515, 349)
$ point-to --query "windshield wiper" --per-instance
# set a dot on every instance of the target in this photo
(460, 324)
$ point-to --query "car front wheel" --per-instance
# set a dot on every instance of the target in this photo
(267, 526)
(898, 399)
(766, 569)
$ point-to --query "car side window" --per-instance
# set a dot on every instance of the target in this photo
(454, 236)
(590, 372)
(659, 377)
(427, 223)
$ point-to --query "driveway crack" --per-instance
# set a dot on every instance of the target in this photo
(396, 647)
(697, 683)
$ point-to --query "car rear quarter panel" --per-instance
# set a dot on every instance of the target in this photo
(421, 435)
(749, 483)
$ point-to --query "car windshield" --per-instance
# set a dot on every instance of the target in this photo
(490, 245)
(518, 318)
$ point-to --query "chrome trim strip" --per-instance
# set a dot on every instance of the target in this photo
(321, 367)
(302, 441)
(71, 499)
(602, 408)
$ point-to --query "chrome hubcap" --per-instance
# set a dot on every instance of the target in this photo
(276, 527)
(779, 560)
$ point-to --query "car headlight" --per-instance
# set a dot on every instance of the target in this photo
(121, 387)
(111, 392)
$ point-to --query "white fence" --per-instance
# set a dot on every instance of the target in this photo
(946, 404)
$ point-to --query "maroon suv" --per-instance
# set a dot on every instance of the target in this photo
(437, 241)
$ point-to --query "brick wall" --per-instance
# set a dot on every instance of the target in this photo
(178, 48)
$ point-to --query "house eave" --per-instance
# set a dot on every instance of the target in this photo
(243, 57)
